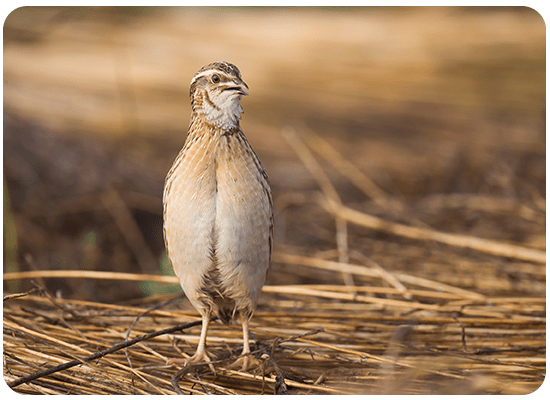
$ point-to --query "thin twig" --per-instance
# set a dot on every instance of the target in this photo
(18, 295)
(463, 334)
(129, 229)
(329, 192)
(370, 272)
(348, 169)
(99, 354)
(483, 245)
(156, 307)
(80, 274)
(179, 375)
(59, 305)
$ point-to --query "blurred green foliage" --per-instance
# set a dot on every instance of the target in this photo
(156, 288)
(10, 242)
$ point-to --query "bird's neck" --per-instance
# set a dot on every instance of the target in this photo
(225, 116)
(201, 126)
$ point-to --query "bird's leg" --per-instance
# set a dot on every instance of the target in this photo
(200, 354)
(244, 360)
(246, 345)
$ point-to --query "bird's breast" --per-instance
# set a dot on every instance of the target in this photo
(218, 183)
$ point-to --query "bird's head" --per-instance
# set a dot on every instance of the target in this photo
(216, 92)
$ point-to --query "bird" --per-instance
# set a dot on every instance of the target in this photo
(218, 209)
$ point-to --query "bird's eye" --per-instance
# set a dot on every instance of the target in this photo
(215, 78)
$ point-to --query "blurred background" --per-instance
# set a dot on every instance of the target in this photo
(442, 108)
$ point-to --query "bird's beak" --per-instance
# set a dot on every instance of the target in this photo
(238, 86)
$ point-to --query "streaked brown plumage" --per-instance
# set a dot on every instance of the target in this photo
(218, 209)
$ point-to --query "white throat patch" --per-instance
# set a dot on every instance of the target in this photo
(227, 110)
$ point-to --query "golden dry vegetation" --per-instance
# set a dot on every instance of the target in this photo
(406, 150)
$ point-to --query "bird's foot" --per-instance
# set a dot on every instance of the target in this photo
(244, 362)
(197, 358)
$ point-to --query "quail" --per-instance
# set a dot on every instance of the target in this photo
(218, 208)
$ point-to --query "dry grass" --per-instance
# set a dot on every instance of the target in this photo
(363, 339)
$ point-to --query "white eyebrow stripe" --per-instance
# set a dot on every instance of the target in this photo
(207, 72)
